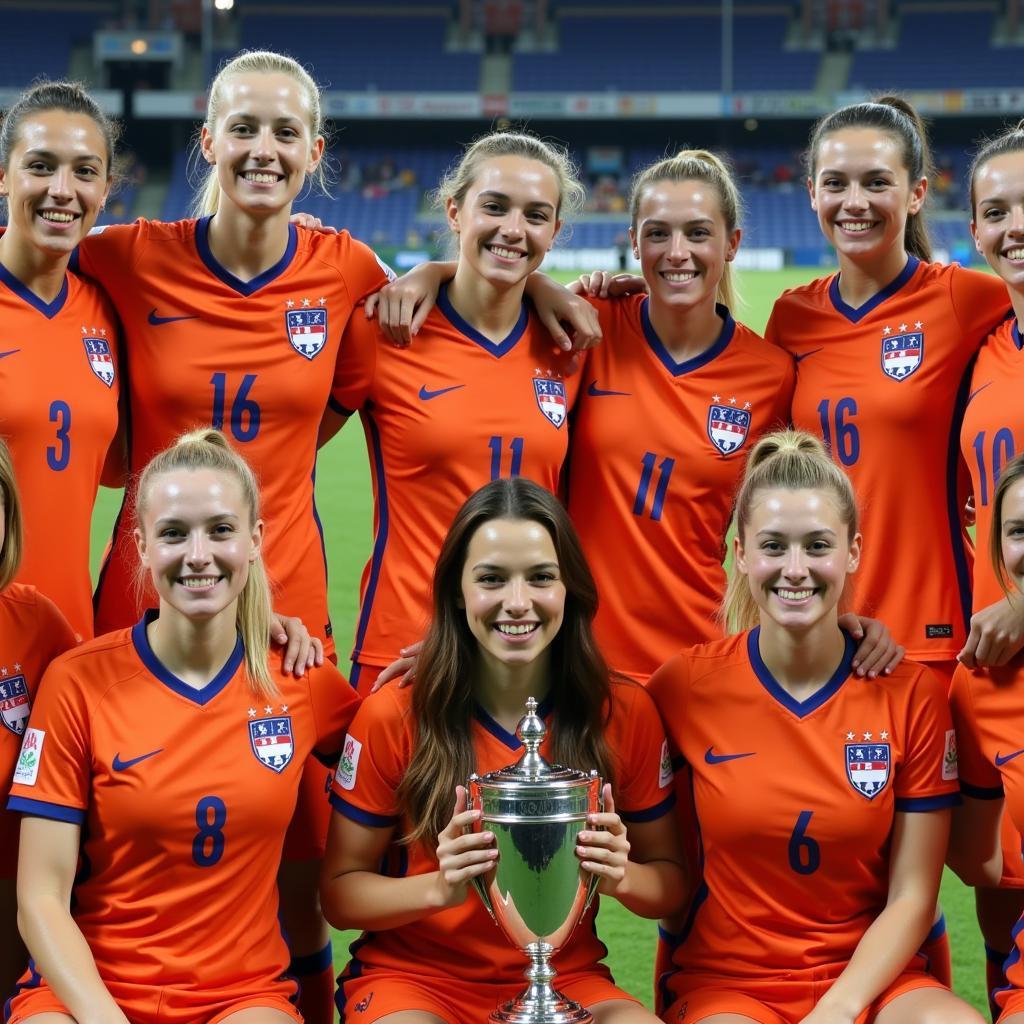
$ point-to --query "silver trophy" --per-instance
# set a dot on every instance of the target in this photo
(537, 891)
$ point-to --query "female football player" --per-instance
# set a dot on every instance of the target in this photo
(513, 603)
(32, 633)
(882, 349)
(823, 800)
(174, 913)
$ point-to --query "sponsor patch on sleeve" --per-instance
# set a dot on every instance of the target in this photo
(949, 771)
(349, 763)
(27, 767)
(665, 768)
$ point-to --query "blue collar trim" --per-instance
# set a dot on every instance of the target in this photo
(858, 314)
(156, 667)
(499, 348)
(688, 365)
(240, 286)
(800, 708)
(510, 739)
(48, 309)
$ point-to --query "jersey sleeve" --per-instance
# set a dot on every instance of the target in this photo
(926, 780)
(108, 253)
(772, 329)
(374, 758)
(365, 271)
(52, 776)
(334, 705)
(980, 302)
(357, 365)
(979, 778)
(782, 411)
(666, 688)
(643, 784)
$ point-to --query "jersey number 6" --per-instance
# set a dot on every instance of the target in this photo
(804, 852)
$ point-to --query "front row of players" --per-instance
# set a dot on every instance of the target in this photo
(823, 801)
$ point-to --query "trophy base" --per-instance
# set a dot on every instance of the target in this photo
(544, 1007)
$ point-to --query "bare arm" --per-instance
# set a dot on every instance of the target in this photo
(354, 894)
(48, 856)
(975, 852)
(915, 867)
(645, 872)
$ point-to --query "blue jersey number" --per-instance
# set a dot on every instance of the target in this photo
(245, 411)
(59, 455)
(515, 447)
(991, 458)
(208, 844)
(838, 429)
(649, 462)
(804, 852)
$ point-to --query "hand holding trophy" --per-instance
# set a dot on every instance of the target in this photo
(538, 890)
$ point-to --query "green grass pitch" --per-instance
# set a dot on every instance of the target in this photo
(345, 505)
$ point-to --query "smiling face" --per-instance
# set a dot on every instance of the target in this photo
(197, 542)
(512, 591)
(56, 180)
(682, 241)
(998, 217)
(507, 220)
(262, 143)
(1012, 533)
(862, 193)
(796, 554)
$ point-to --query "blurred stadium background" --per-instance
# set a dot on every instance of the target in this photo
(622, 82)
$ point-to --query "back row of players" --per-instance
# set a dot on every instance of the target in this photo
(244, 321)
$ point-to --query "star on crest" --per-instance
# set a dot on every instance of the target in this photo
(918, 325)
(17, 667)
(268, 710)
(867, 735)
(290, 304)
(746, 405)
(883, 735)
(321, 301)
(903, 327)
(850, 736)
(732, 401)
(252, 712)
(306, 303)
(887, 331)
(284, 709)
(716, 398)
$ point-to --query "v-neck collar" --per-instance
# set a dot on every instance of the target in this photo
(156, 667)
(800, 708)
(855, 315)
(464, 327)
(235, 283)
(23, 292)
(499, 732)
(678, 369)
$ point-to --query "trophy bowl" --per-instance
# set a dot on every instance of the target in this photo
(537, 892)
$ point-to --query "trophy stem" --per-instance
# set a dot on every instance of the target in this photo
(540, 1003)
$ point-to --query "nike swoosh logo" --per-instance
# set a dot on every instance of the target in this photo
(1000, 761)
(428, 395)
(119, 766)
(157, 321)
(800, 358)
(595, 392)
(10, 352)
(713, 758)
(977, 391)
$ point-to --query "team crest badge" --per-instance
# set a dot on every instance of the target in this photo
(14, 704)
(272, 742)
(728, 427)
(307, 330)
(101, 362)
(551, 399)
(867, 767)
(902, 354)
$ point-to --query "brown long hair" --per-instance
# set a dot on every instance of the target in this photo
(899, 120)
(442, 698)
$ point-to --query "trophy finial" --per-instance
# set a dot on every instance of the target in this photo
(531, 732)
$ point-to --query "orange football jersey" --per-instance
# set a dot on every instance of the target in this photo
(180, 892)
(32, 633)
(256, 359)
(442, 418)
(463, 942)
(992, 433)
(987, 714)
(885, 386)
(795, 801)
(658, 449)
(59, 376)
